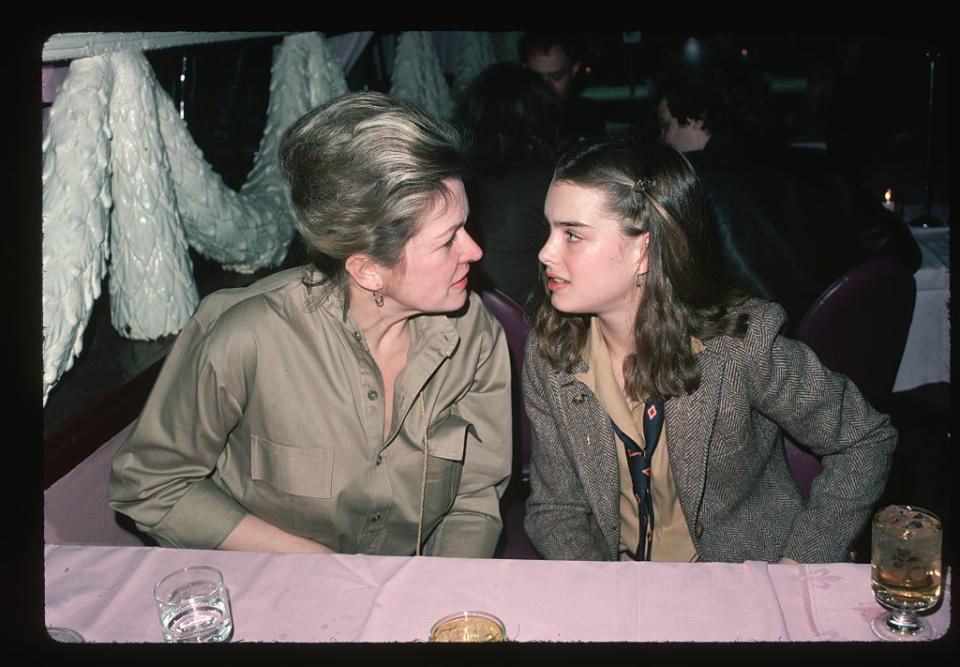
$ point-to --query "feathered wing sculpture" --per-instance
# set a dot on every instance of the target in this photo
(507, 45)
(115, 140)
(76, 212)
(418, 74)
(477, 53)
(252, 229)
(152, 291)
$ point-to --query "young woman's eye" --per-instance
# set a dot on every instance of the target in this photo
(571, 236)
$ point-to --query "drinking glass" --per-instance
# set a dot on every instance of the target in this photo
(193, 606)
(468, 626)
(905, 564)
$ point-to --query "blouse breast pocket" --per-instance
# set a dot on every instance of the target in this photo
(448, 438)
(295, 470)
(446, 443)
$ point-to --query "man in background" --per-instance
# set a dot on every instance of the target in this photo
(789, 223)
(556, 57)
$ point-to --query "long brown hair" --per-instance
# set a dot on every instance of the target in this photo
(651, 187)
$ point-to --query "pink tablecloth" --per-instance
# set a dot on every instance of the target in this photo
(104, 593)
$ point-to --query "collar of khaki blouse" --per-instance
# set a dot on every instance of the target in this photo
(433, 338)
(425, 330)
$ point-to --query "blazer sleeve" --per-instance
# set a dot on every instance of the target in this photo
(559, 519)
(826, 412)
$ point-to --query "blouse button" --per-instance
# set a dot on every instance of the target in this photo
(699, 530)
(378, 460)
(358, 336)
(372, 395)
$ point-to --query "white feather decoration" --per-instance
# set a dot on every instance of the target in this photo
(76, 212)
(115, 140)
(418, 74)
(152, 291)
(476, 54)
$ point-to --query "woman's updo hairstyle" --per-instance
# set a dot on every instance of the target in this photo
(362, 170)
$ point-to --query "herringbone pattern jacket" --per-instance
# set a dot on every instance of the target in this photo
(736, 491)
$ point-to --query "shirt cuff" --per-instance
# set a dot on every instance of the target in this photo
(202, 519)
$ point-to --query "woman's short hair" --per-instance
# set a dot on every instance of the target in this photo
(651, 188)
(692, 98)
(727, 99)
(362, 170)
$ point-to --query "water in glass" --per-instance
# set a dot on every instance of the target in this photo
(200, 620)
(193, 606)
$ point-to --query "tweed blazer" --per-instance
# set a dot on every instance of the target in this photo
(734, 486)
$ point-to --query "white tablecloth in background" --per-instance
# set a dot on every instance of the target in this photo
(105, 594)
(926, 358)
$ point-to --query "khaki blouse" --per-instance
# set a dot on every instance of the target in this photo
(270, 403)
(671, 537)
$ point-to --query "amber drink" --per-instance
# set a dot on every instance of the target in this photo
(906, 558)
(905, 571)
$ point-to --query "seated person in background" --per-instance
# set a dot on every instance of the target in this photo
(656, 396)
(513, 121)
(556, 58)
(360, 404)
(789, 223)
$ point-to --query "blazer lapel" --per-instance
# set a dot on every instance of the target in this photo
(689, 423)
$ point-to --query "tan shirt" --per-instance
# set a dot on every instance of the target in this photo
(270, 403)
(671, 538)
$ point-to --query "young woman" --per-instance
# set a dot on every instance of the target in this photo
(639, 327)
(354, 405)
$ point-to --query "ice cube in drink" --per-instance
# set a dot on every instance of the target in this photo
(906, 558)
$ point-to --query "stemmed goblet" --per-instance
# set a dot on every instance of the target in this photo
(905, 564)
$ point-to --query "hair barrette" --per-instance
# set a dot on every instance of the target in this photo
(642, 185)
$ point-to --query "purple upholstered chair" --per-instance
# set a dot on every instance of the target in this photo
(515, 543)
(858, 327)
(516, 326)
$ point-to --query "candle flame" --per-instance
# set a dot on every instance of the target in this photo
(888, 195)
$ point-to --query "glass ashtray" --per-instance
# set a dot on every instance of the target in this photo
(468, 626)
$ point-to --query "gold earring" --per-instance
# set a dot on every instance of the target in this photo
(638, 279)
(378, 296)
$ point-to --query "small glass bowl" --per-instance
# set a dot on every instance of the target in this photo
(468, 626)
(65, 635)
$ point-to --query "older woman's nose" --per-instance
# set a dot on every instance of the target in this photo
(470, 251)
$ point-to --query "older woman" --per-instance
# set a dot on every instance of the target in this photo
(658, 398)
(354, 405)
